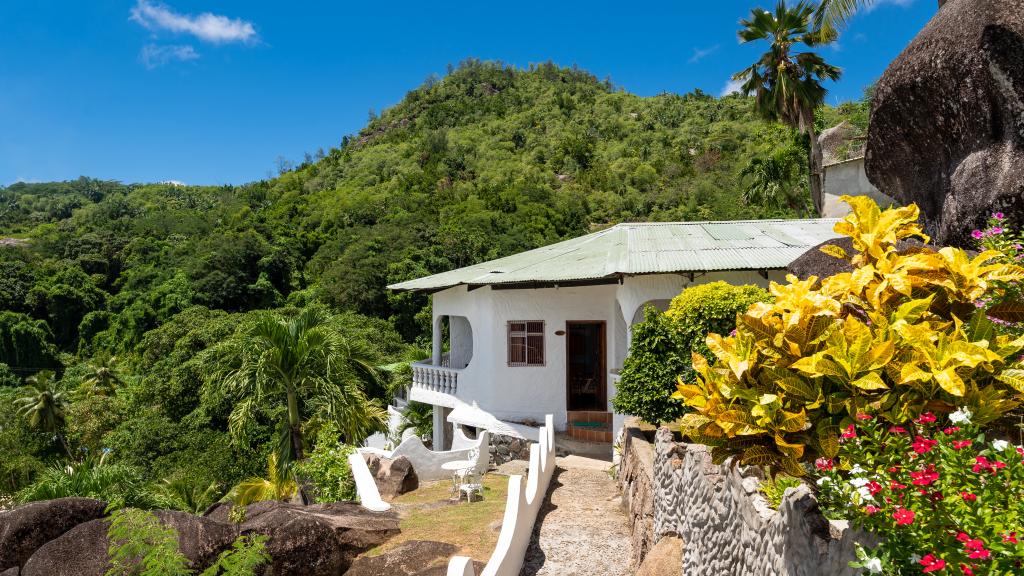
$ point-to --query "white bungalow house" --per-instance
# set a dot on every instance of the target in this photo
(546, 331)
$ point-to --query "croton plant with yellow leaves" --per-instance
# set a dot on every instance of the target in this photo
(899, 335)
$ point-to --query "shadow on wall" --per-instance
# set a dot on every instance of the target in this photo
(521, 509)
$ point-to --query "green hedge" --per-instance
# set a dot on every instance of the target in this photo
(661, 346)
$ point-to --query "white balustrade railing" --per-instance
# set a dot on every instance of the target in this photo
(436, 378)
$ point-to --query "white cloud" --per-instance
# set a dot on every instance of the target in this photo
(702, 53)
(732, 87)
(872, 5)
(154, 56)
(206, 26)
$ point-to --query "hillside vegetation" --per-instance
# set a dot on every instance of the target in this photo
(488, 161)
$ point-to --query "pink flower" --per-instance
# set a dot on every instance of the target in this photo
(969, 496)
(998, 216)
(950, 430)
(977, 234)
(850, 432)
(897, 430)
(824, 464)
(958, 444)
(925, 418)
(873, 487)
(995, 230)
(871, 509)
(975, 549)
(862, 416)
(1010, 538)
(923, 445)
(924, 477)
(967, 571)
(932, 564)
(894, 485)
(903, 517)
(981, 464)
(963, 537)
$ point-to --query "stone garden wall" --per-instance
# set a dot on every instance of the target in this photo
(507, 448)
(636, 481)
(726, 526)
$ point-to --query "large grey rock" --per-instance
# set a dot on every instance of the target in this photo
(82, 551)
(24, 529)
(410, 558)
(947, 120)
(664, 559)
(316, 540)
(814, 262)
(394, 476)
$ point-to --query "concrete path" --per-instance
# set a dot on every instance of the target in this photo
(581, 529)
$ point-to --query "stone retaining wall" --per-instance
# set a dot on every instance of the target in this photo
(726, 526)
(635, 477)
(506, 448)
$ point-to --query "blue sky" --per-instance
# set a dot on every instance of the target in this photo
(213, 92)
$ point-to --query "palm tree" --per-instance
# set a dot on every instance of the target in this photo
(43, 405)
(102, 379)
(772, 179)
(419, 417)
(787, 84)
(277, 485)
(291, 369)
(833, 15)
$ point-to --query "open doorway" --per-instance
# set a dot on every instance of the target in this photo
(585, 366)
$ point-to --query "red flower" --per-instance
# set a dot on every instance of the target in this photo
(903, 517)
(926, 418)
(863, 416)
(969, 496)
(998, 465)
(871, 509)
(850, 432)
(874, 487)
(894, 469)
(923, 445)
(963, 537)
(924, 477)
(958, 444)
(1010, 538)
(894, 485)
(897, 430)
(950, 430)
(823, 464)
(967, 571)
(976, 549)
(981, 464)
(932, 564)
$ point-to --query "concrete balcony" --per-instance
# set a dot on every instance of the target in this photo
(432, 384)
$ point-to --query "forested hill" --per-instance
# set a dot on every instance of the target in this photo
(487, 161)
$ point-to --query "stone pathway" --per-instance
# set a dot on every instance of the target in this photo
(581, 530)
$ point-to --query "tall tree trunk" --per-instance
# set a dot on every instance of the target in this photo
(814, 163)
(295, 425)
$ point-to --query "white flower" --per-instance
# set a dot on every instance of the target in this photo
(915, 558)
(865, 493)
(961, 416)
(857, 470)
(858, 482)
(873, 565)
(999, 445)
(824, 480)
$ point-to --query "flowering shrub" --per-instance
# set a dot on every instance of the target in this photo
(901, 332)
(1004, 308)
(944, 499)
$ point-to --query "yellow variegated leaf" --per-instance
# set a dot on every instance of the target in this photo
(793, 421)
(759, 456)
(693, 421)
(828, 439)
(1014, 377)
(792, 467)
(795, 451)
(870, 381)
(951, 382)
(834, 251)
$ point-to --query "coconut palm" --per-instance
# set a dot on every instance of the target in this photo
(290, 369)
(418, 417)
(102, 379)
(786, 83)
(43, 405)
(772, 180)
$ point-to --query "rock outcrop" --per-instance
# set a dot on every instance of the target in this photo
(392, 476)
(947, 119)
(25, 529)
(411, 558)
(82, 551)
(814, 262)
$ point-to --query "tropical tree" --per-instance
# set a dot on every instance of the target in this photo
(772, 180)
(278, 484)
(787, 84)
(102, 378)
(418, 417)
(834, 14)
(291, 369)
(43, 404)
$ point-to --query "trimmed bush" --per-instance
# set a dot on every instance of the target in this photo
(660, 352)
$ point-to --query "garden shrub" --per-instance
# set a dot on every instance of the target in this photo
(942, 497)
(661, 347)
(328, 469)
(710, 309)
(901, 332)
(649, 372)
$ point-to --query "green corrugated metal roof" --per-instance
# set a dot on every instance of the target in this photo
(646, 248)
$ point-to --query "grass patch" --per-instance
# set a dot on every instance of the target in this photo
(426, 514)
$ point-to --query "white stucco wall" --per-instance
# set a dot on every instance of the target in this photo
(530, 392)
(848, 178)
